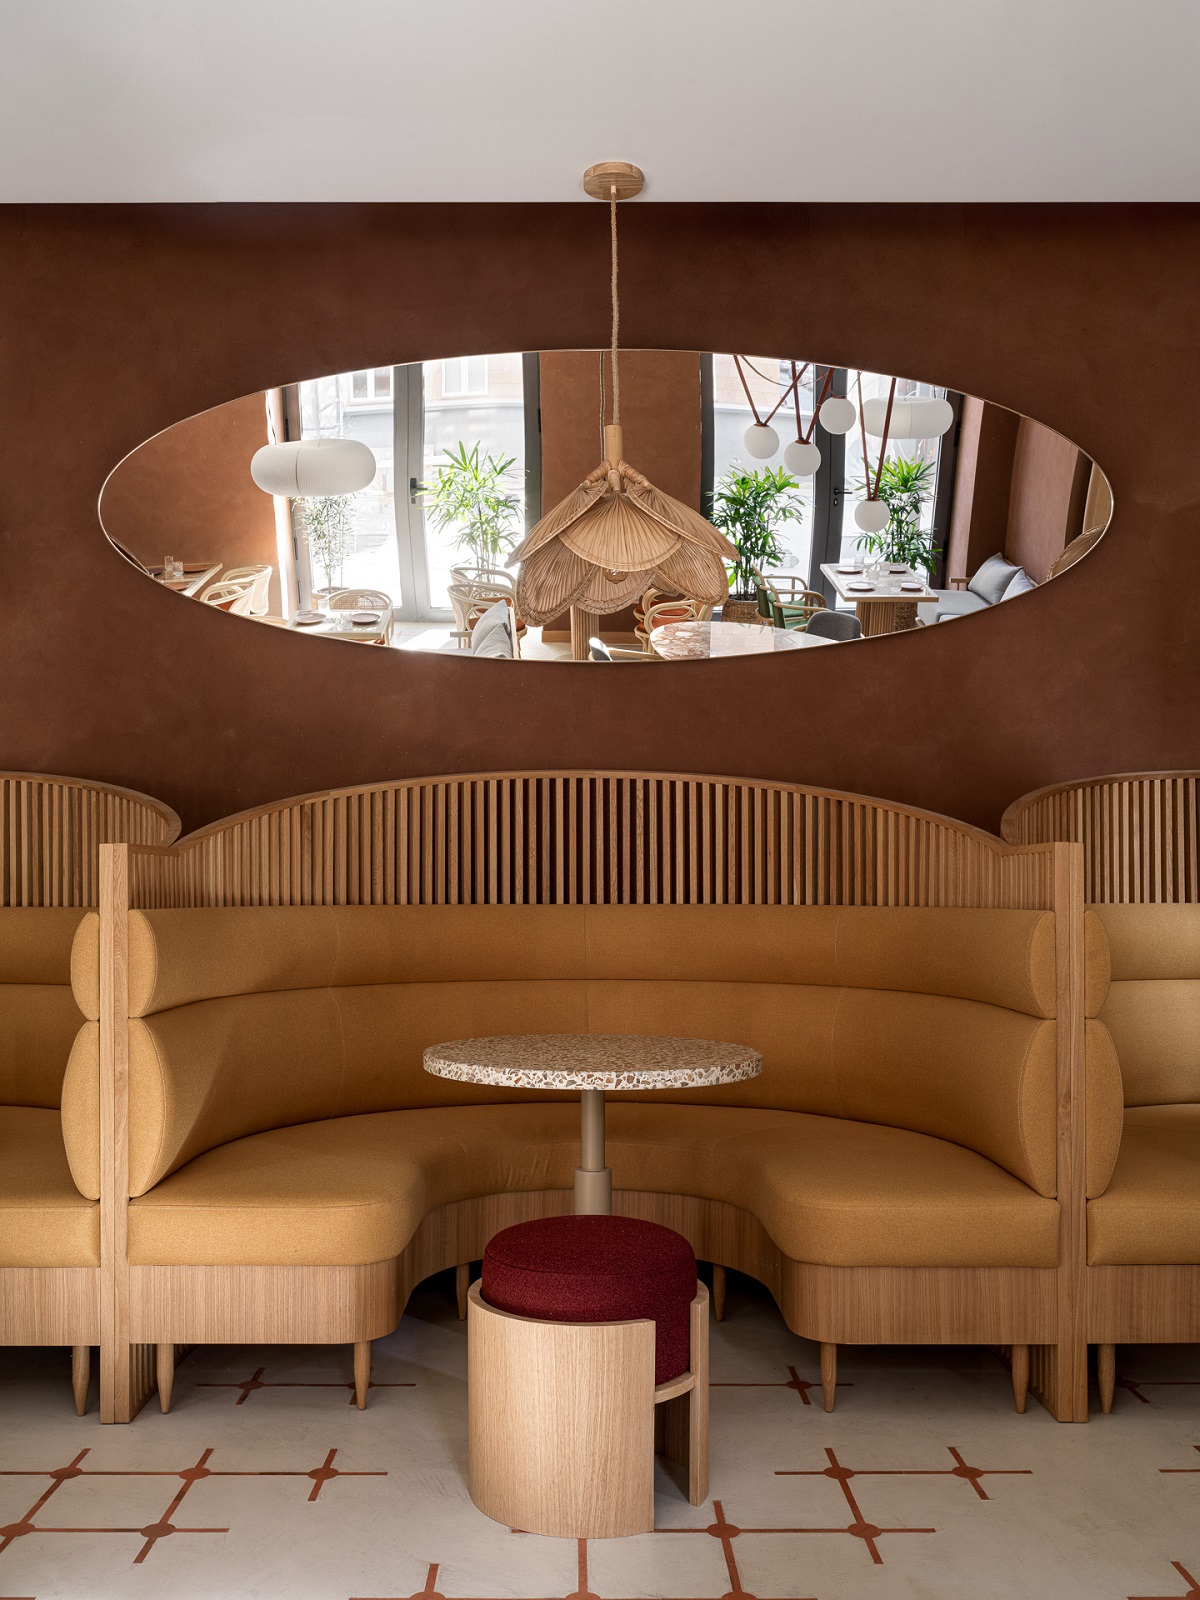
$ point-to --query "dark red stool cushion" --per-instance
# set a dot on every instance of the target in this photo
(597, 1269)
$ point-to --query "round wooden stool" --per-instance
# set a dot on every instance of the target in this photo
(587, 1347)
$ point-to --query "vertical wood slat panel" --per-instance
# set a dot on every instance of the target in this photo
(603, 837)
(51, 830)
(1139, 833)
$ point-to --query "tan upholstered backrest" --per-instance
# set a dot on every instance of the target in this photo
(1153, 1006)
(243, 1020)
(38, 1015)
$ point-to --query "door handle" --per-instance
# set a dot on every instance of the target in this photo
(413, 488)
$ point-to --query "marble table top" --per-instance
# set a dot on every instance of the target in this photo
(592, 1061)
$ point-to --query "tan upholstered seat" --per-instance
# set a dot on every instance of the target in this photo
(44, 1220)
(1150, 1212)
(352, 1190)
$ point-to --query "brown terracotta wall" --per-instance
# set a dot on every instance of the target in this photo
(660, 413)
(165, 312)
(1049, 489)
(982, 485)
(188, 493)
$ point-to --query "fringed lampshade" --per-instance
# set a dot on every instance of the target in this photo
(616, 535)
(611, 539)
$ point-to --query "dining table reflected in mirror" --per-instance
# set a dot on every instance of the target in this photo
(706, 641)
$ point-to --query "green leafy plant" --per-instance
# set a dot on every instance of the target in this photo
(905, 486)
(750, 508)
(328, 531)
(473, 494)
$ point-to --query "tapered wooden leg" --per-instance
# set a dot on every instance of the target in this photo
(462, 1282)
(718, 1291)
(828, 1373)
(166, 1374)
(362, 1373)
(81, 1375)
(1107, 1365)
(1020, 1375)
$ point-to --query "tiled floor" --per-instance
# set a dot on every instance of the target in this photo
(923, 1485)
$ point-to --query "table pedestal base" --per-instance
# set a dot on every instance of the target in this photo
(593, 1180)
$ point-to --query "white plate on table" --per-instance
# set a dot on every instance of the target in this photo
(912, 587)
(364, 618)
(861, 588)
(848, 569)
(896, 571)
(308, 619)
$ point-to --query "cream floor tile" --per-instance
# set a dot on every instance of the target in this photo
(309, 1499)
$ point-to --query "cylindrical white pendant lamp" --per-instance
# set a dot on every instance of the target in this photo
(313, 469)
(911, 419)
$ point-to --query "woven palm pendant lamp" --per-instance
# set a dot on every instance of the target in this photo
(616, 534)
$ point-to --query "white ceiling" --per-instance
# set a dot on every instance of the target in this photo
(720, 100)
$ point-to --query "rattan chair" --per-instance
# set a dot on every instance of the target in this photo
(364, 600)
(232, 595)
(839, 625)
(786, 602)
(260, 578)
(664, 611)
(466, 591)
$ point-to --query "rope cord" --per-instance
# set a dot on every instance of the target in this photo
(793, 388)
(616, 310)
(873, 494)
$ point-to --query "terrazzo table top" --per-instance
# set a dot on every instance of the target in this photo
(592, 1061)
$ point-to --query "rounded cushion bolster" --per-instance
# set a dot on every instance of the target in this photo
(597, 1269)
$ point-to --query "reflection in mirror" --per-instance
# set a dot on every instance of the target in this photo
(855, 503)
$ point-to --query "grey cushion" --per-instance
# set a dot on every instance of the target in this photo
(950, 603)
(496, 644)
(1021, 583)
(992, 579)
(496, 616)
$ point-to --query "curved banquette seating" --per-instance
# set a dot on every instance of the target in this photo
(292, 1171)
(49, 1230)
(1144, 1228)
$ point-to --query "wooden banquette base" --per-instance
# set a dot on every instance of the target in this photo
(999, 1306)
(54, 1306)
(1139, 1305)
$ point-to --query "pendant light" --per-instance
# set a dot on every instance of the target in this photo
(872, 515)
(616, 535)
(317, 469)
(927, 418)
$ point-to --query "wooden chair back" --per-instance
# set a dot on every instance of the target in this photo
(228, 594)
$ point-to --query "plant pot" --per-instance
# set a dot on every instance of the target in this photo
(739, 609)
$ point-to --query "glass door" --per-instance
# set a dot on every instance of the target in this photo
(412, 416)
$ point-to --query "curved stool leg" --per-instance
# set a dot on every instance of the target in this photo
(718, 1292)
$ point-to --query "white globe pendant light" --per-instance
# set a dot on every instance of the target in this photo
(316, 469)
(872, 516)
(838, 414)
(801, 459)
(910, 419)
(761, 441)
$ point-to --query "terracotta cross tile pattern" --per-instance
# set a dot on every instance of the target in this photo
(1191, 1593)
(1185, 1470)
(721, 1528)
(802, 1386)
(1136, 1385)
(151, 1533)
(247, 1386)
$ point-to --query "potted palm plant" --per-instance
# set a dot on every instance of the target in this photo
(328, 524)
(905, 486)
(473, 496)
(750, 508)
